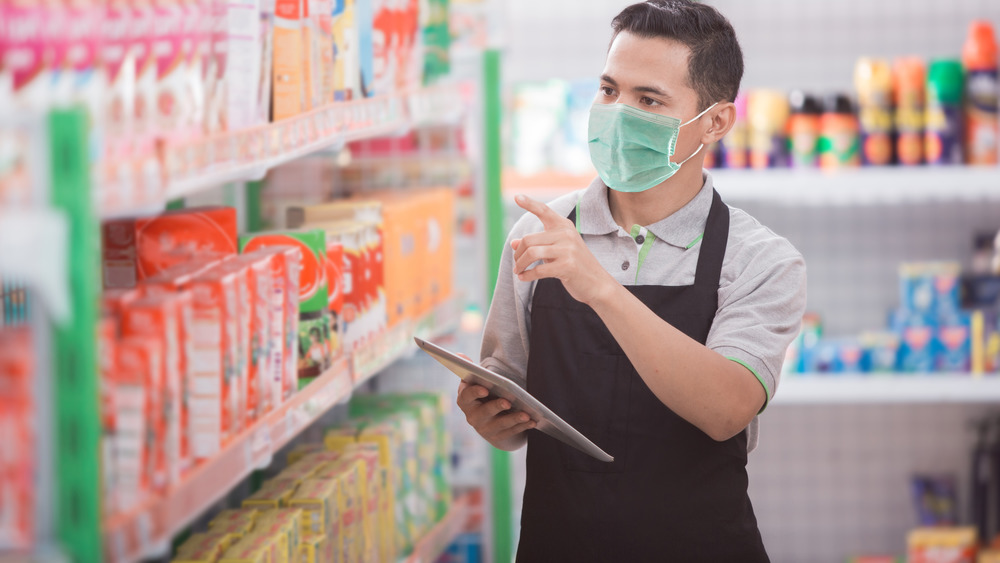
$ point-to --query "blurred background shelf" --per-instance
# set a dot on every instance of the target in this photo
(816, 389)
(429, 548)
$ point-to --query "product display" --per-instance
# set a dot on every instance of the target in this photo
(17, 465)
(942, 545)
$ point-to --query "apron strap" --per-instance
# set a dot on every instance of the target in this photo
(713, 244)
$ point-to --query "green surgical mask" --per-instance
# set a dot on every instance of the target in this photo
(632, 148)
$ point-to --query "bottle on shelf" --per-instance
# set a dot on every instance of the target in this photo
(909, 80)
(767, 112)
(943, 136)
(803, 130)
(873, 83)
(979, 55)
(838, 142)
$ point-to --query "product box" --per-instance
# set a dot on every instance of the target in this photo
(251, 549)
(285, 523)
(204, 547)
(315, 549)
(178, 276)
(160, 317)
(277, 309)
(216, 397)
(941, 545)
(246, 297)
(930, 287)
(363, 17)
(260, 280)
(107, 337)
(880, 351)
(290, 60)
(371, 490)
(113, 301)
(320, 509)
(136, 387)
(335, 275)
(346, 67)
(348, 472)
(437, 41)
(173, 113)
(274, 493)
(954, 351)
(243, 68)
(243, 519)
(312, 276)
(17, 411)
(302, 450)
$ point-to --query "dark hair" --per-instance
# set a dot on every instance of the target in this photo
(715, 66)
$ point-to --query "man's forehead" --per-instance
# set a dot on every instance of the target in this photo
(656, 62)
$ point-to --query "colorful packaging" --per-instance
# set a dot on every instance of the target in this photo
(930, 287)
(17, 413)
(298, 472)
(135, 391)
(941, 545)
(943, 118)
(346, 71)
(314, 344)
(285, 524)
(175, 104)
(251, 549)
(839, 143)
(243, 72)
(803, 130)
(881, 350)
(118, 64)
(266, 22)
(873, 82)
(335, 275)
(278, 309)
(177, 277)
(954, 345)
(242, 518)
(107, 337)
(160, 318)
(274, 493)
(260, 280)
(767, 114)
(982, 87)
(363, 17)
(312, 284)
(290, 60)
(204, 547)
(371, 489)
(348, 472)
(302, 450)
(908, 85)
(320, 509)
(437, 41)
(216, 398)
(918, 346)
(315, 549)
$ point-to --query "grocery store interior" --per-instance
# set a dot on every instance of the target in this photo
(223, 223)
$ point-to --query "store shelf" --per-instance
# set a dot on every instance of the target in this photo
(249, 154)
(432, 545)
(834, 389)
(147, 531)
(860, 186)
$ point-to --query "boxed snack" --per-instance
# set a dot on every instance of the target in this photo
(243, 67)
(17, 413)
(335, 275)
(178, 276)
(941, 545)
(251, 549)
(315, 353)
(312, 276)
(301, 450)
(348, 472)
(135, 389)
(174, 108)
(204, 547)
(285, 524)
(242, 519)
(315, 549)
(298, 472)
(290, 62)
(244, 319)
(276, 305)
(260, 292)
(216, 397)
(274, 493)
(114, 300)
(954, 350)
(371, 493)
(159, 317)
(320, 509)
(930, 287)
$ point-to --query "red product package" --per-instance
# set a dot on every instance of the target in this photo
(245, 297)
(17, 488)
(107, 337)
(335, 274)
(159, 317)
(272, 386)
(114, 300)
(139, 429)
(215, 392)
(178, 276)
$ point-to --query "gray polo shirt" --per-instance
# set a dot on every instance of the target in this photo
(762, 291)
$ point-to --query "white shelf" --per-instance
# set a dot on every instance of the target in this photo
(832, 389)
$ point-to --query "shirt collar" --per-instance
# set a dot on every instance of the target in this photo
(679, 229)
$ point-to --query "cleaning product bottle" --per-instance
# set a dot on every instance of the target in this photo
(979, 55)
(909, 80)
(838, 142)
(803, 130)
(873, 83)
(943, 135)
(767, 112)
(733, 147)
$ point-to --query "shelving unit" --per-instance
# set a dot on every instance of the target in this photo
(816, 389)
(147, 531)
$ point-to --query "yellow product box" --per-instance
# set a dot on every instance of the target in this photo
(297, 472)
(316, 549)
(250, 549)
(204, 547)
(320, 511)
(272, 494)
(243, 517)
(301, 450)
(371, 484)
(989, 556)
(285, 524)
(941, 544)
(348, 472)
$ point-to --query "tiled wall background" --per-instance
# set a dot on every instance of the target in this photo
(827, 481)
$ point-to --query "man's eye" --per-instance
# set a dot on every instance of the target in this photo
(607, 91)
(648, 101)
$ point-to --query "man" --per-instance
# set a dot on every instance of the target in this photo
(647, 314)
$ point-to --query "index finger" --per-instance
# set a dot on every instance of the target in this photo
(549, 218)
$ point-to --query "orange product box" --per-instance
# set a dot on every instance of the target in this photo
(114, 300)
(242, 518)
(215, 390)
(107, 336)
(290, 81)
(335, 275)
(245, 297)
(139, 428)
(160, 317)
(178, 276)
(942, 545)
(277, 310)
(401, 242)
(354, 310)
(274, 493)
(204, 547)
(134, 249)
(441, 243)
(17, 412)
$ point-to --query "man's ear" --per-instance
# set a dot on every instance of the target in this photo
(723, 118)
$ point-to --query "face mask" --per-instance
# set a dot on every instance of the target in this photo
(632, 148)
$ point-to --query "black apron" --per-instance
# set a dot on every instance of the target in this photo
(672, 493)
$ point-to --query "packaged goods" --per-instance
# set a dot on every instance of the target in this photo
(838, 142)
(274, 493)
(935, 499)
(346, 64)
(160, 317)
(301, 450)
(941, 545)
(313, 295)
(113, 301)
(803, 130)
(290, 62)
(349, 475)
(943, 118)
(371, 488)
(242, 70)
(335, 276)
(204, 547)
(266, 21)
(174, 115)
(216, 398)
(298, 472)
(17, 410)
(260, 280)
(118, 63)
(909, 86)
(873, 82)
(363, 16)
(283, 524)
(315, 549)
(135, 390)
(880, 351)
(767, 113)
(107, 336)
(320, 509)
(243, 519)
(954, 340)
(279, 310)
(251, 549)
(177, 277)
(989, 556)
(982, 87)
(918, 346)
(437, 41)
(314, 344)
(930, 287)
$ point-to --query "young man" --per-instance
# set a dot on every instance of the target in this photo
(647, 314)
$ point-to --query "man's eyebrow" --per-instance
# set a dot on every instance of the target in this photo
(609, 80)
(651, 90)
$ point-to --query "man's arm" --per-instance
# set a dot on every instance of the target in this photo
(716, 394)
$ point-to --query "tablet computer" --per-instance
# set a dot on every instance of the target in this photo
(500, 386)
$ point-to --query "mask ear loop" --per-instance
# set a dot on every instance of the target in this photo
(701, 146)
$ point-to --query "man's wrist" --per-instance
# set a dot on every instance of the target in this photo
(606, 295)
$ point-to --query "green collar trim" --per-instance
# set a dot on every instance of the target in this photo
(695, 241)
(767, 392)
